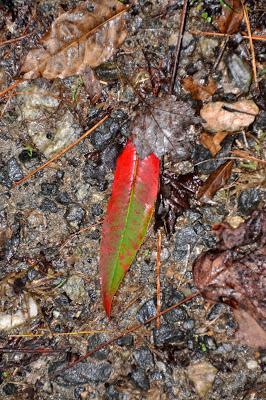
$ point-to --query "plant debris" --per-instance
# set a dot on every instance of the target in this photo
(78, 39)
(197, 90)
(235, 273)
(213, 142)
(215, 181)
(161, 125)
(230, 117)
(174, 198)
(231, 18)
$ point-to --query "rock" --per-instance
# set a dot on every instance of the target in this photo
(167, 334)
(75, 215)
(140, 379)
(176, 315)
(248, 200)
(14, 171)
(208, 46)
(240, 72)
(146, 311)
(49, 188)
(127, 341)
(63, 198)
(144, 358)
(94, 341)
(259, 125)
(202, 375)
(25, 156)
(52, 134)
(96, 210)
(10, 389)
(217, 118)
(185, 240)
(109, 156)
(75, 289)
(87, 372)
(102, 136)
(13, 319)
(48, 205)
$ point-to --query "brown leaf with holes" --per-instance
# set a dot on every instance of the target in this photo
(198, 91)
(213, 142)
(84, 37)
(215, 181)
(231, 18)
(235, 274)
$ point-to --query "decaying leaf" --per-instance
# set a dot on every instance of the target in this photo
(84, 37)
(197, 90)
(174, 198)
(229, 117)
(213, 142)
(164, 125)
(129, 212)
(232, 15)
(215, 181)
(235, 273)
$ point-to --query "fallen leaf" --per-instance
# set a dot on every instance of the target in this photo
(174, 198)
(236, 275)
(231, 18)
(129, 212)
(215, 181)
(229, 117)
(163, 125)
(213, 142)
(84, 37)
(202, 375)
(198, 91)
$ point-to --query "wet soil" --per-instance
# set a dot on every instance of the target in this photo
(50, 226)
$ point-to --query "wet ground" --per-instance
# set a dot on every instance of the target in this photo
(50, 226)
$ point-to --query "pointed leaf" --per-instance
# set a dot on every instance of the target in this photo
(128, 215)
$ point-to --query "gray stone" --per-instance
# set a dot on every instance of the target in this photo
(240, 72)
(146, 311)
(144, 358)
(14, 171)
(89, 372)
(140, 379)
(48, 205)
(248, 200)
(75, 215)
(167, 334)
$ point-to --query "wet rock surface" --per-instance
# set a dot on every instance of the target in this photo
(50, 227)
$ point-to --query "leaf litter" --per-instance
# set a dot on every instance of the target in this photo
(235, 274)
(78, 40)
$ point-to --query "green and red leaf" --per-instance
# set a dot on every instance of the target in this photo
(129, 212)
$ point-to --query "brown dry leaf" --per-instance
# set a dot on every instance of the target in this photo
(236, 275)
(198, 91)
(232, 15)
(215, 181)
(84, 37)
(229, 117)
(213, 142)
(164, 125)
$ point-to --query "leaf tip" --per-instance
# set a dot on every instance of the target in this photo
(107, 302)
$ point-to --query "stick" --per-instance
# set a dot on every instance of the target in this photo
(251, 44)
(178, 45)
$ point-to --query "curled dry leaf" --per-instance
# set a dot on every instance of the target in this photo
(215, 181)
(84, 37)
(164, 125)
(232, 15)
(235, 274)
(174, 198)
(229, 117)
(213, 142)
(198, 91)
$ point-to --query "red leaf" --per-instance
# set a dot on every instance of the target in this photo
(129, 212)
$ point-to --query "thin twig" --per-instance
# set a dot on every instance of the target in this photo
(242, 154)
(158, 273)
(178, 45)
(250, 43)
(127, 331)
(61, 152)
(201, 33)
(221, 53)
(14, 40)
(11, 87)
(32, 335)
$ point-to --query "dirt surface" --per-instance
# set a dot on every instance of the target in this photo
(50, 226)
